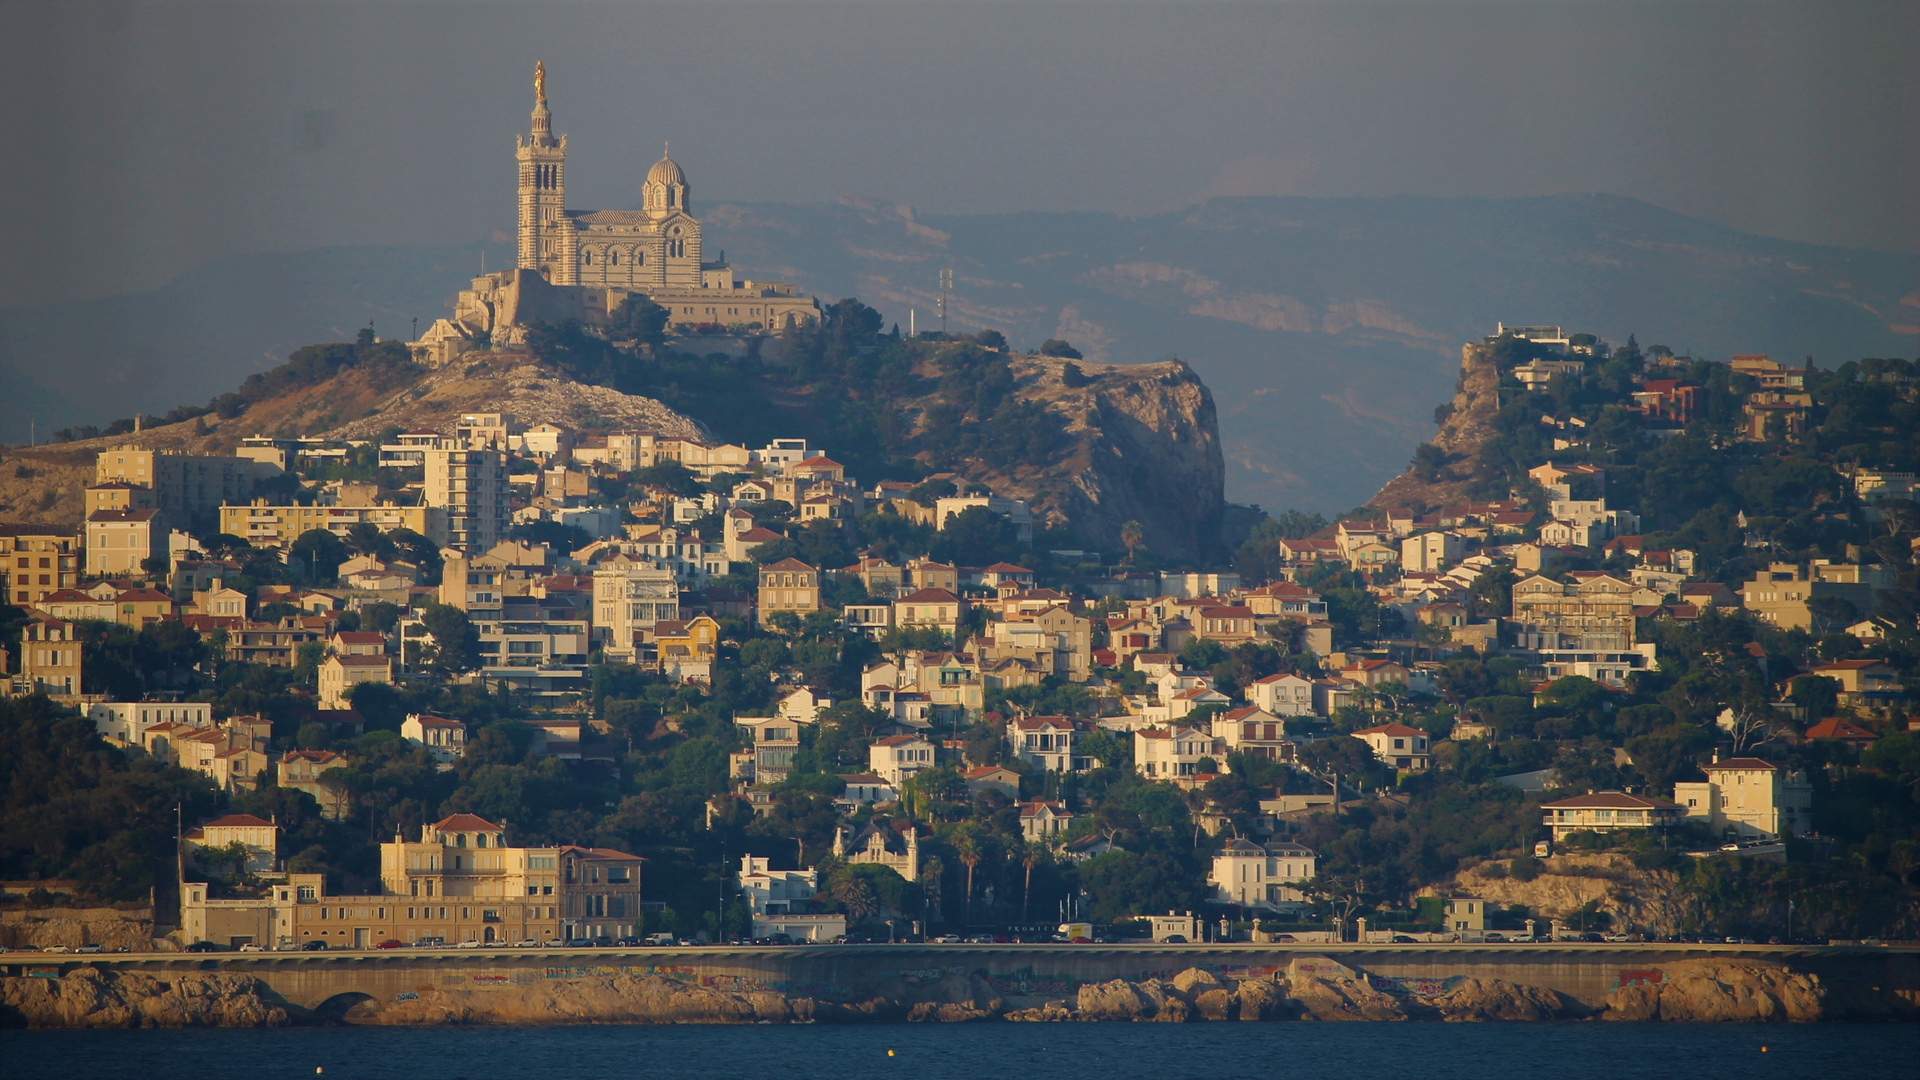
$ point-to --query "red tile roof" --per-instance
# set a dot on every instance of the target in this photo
(465, 823)
(237, 821)
(1610, 800)
(1837, 728)
(1396, 730)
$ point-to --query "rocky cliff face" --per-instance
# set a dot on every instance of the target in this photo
(1144, 445)
(90, 998)
(1467, 423)
(1638, 901)
(109, 928)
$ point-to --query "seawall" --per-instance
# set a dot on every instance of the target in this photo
(967, 982)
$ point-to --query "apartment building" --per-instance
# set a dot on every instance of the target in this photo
(278, 526)
(631, 597)
(37, 561)
(188, 489)
(471, 486)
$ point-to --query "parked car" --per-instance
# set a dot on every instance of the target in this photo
(198, 946)
(435, 942)
(248, 947)
(468, 945)
(96, 948)
(316, 945)
(529, 943)
(65, 949)
(554, 943)
(1496, 937)
(661, 941)
(948, 939)
(391, 944)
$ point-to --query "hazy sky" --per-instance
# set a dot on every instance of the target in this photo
(144, 137)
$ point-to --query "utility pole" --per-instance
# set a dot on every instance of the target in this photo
(946, 298)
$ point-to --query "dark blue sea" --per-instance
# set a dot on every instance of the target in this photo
(1426, 1051)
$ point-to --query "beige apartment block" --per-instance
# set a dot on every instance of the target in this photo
(278, 526)
(37, 561)
(471, 487)
(1782, 594)
(187, 488)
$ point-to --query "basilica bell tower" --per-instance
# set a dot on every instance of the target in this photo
(545, 241)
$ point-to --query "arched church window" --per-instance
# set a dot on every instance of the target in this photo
(586, 258)
(613, 257)
(669, 196)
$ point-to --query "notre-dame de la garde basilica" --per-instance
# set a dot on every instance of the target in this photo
(582, 264)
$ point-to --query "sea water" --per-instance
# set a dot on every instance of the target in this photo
(985, 1051)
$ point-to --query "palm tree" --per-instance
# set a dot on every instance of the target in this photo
(968, 847)
(1029, 852)
(1132, 534)
(856, 894)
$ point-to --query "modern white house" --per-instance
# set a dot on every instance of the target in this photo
(779, 902)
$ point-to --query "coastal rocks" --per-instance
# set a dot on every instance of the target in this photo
(1114, 1000)
(624, 999)
(1260, 999)
(1496, 999)
(1051, 1012)
(89, 998)
(1708, 990)
(1342, 999)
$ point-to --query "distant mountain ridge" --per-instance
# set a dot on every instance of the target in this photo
(1327, 329)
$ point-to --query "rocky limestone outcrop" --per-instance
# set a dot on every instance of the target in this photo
(515, 382)
(1467, 423)
(1638, 901)
(109, 928)
(1712, 990)
(1142, 444)
(90, 998)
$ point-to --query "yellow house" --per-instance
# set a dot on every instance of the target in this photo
(936, 608)
(1748, 797)
(120, 541)
(686, 649)
(338, 675)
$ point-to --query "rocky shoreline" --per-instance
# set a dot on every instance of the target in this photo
(1314, 990)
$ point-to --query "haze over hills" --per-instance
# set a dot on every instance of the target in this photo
(1327, 329)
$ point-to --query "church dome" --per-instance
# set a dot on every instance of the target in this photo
(666, 171)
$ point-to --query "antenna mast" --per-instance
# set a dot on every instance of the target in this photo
(946, 298)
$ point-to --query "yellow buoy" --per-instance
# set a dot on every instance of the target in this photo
(1763, 1049)
(889, 1053)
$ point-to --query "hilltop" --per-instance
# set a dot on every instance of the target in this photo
(1326, 328)
(1088, 446)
